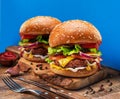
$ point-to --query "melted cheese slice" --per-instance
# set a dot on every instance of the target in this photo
(64, 61)
(88, 68)
(56, 67)
(37, 56)
(30, 56)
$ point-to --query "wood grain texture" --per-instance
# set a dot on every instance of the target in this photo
(62, 81)
(5, 93)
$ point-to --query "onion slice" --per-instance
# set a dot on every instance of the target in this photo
(85, 55)
(33, 44)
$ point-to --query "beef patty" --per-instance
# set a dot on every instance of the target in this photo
(37, 51)
(74, 63)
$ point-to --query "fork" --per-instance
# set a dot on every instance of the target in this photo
(18, 88)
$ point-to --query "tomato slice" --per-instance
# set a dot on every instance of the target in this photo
(58, 57)
(28, 36)
(90, 45)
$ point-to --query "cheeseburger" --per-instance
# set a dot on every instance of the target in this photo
(73, 50)
(34, 35)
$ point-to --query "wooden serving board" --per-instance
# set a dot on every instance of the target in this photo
(109, 91)
(62, 81)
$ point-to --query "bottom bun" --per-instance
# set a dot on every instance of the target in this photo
(80, 73)
(33, 59)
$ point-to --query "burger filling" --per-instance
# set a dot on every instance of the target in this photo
(74, 57)
(34, 46)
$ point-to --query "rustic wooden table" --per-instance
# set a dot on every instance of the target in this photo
(5, 93)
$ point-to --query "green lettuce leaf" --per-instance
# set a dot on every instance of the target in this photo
(48, 60)
(94, 50)
(52, 50)
(23, 42)
(40, 39)
(66, 50)
(75, 50)
(99, 53)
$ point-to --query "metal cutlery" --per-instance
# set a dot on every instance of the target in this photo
(55, 90)
(18, 88)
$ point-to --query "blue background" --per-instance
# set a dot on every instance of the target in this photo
(104, 14)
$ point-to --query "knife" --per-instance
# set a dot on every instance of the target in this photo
(55, 90)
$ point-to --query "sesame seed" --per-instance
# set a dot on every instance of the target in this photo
(82, 33)
(43, 29)
(90, 37)
(83, 37)
(67, 36)
(28, 30)
(79, 30)
(33, 29)
(47, 32)
(63, 35)
(68, 41)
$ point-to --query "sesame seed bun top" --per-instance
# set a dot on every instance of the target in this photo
(74, 31)
(38, 25)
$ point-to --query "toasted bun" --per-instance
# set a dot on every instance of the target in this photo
(34, 59)
(38, 25)
(74, 31)
(80, 73)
